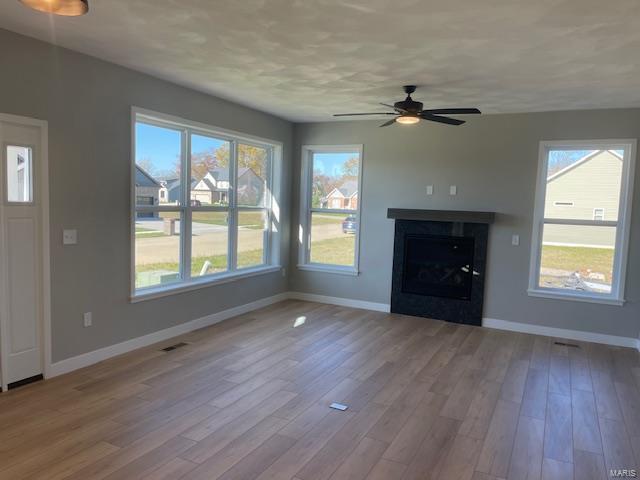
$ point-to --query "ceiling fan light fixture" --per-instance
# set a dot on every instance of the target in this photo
(66, 8)
(408, 119)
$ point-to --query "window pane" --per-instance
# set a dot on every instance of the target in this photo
(157, 248)
(581, 182)
(333, 238)
(157, 174)
(209, 171)
(19, 174)
(251, 238)
(335, 180)
(209, 243)
(577, 258)
(252, 175)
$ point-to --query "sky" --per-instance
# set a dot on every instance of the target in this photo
(162, 146)
(559, 159)
(330, 164)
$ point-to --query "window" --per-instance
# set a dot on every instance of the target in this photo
(18, 168)
(203, 204)
(330, 208)
(598, 214)
(577, 253)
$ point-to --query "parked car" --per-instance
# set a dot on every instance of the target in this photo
(350, 225)
(196, 203)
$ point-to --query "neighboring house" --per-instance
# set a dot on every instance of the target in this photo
(567, 197)
(251, 188)
(344, 197)
(147, 192)
(213, 188)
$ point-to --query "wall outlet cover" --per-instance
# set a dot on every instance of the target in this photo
(515, 240)
(453, 190)
(429, 189)
(69, 237)
(88, 319)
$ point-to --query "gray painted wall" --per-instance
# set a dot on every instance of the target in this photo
(87, 103)
(493, 161)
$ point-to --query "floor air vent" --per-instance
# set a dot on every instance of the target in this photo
(562, 344)
(173, 347)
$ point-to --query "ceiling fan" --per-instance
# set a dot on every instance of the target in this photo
(409, 112)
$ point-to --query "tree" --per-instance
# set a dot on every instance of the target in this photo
(350, 168)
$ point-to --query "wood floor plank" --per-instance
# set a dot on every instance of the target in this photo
(555, 470)
(498, 443)
(461, 459)
(410, 437)
(386, 470)
(526, 459)
(534, 401)
(306, 447)
(433, 451)
(249, 398)
(589, 466)
(558, 440)
(586, 432)
(323, 463)
(360, 462)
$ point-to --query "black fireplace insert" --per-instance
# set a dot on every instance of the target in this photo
(438, 266)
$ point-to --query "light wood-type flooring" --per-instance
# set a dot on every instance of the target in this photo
(248, 399)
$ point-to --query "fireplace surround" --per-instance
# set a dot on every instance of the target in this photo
(439, 264)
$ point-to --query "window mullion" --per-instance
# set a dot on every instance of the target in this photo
(186, 223)
(232, 256)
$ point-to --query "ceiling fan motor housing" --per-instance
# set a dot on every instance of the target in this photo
(409, 105)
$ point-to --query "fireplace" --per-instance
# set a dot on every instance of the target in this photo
(439, 264)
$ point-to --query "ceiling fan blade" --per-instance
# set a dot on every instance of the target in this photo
(386, 124)
(352, 114)
(435, 118)
(453, 111)
(401, 110)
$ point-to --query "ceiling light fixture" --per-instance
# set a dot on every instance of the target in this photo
(66, 8)
(408, 119)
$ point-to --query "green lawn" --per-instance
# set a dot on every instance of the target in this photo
(334, 251)
(252, 220)
(580, 259)
(337, 251)
(148, 233)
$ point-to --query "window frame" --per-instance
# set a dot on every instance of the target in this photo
(306, 211)
(187, 282)
(622, 225)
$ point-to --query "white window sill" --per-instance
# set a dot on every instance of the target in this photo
(174, 289)
(349, 271)
(578, 297)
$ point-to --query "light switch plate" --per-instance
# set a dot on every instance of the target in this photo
(453, 190)
(88, 319)
(429, 189)
(515, 240)
(69, 237)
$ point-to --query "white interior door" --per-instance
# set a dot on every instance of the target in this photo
(21, 306)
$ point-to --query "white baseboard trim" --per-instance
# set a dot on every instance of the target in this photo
(90, 358)
(340, 301)
(561, 333)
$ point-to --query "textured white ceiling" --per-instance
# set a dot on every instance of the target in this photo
(306, 59)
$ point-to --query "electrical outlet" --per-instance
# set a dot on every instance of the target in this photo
(515, 240)
(69, 237)
(453, 190)
(284, 272)
(88, 319)
(429, 189)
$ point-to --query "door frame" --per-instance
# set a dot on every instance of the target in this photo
(42, 191)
